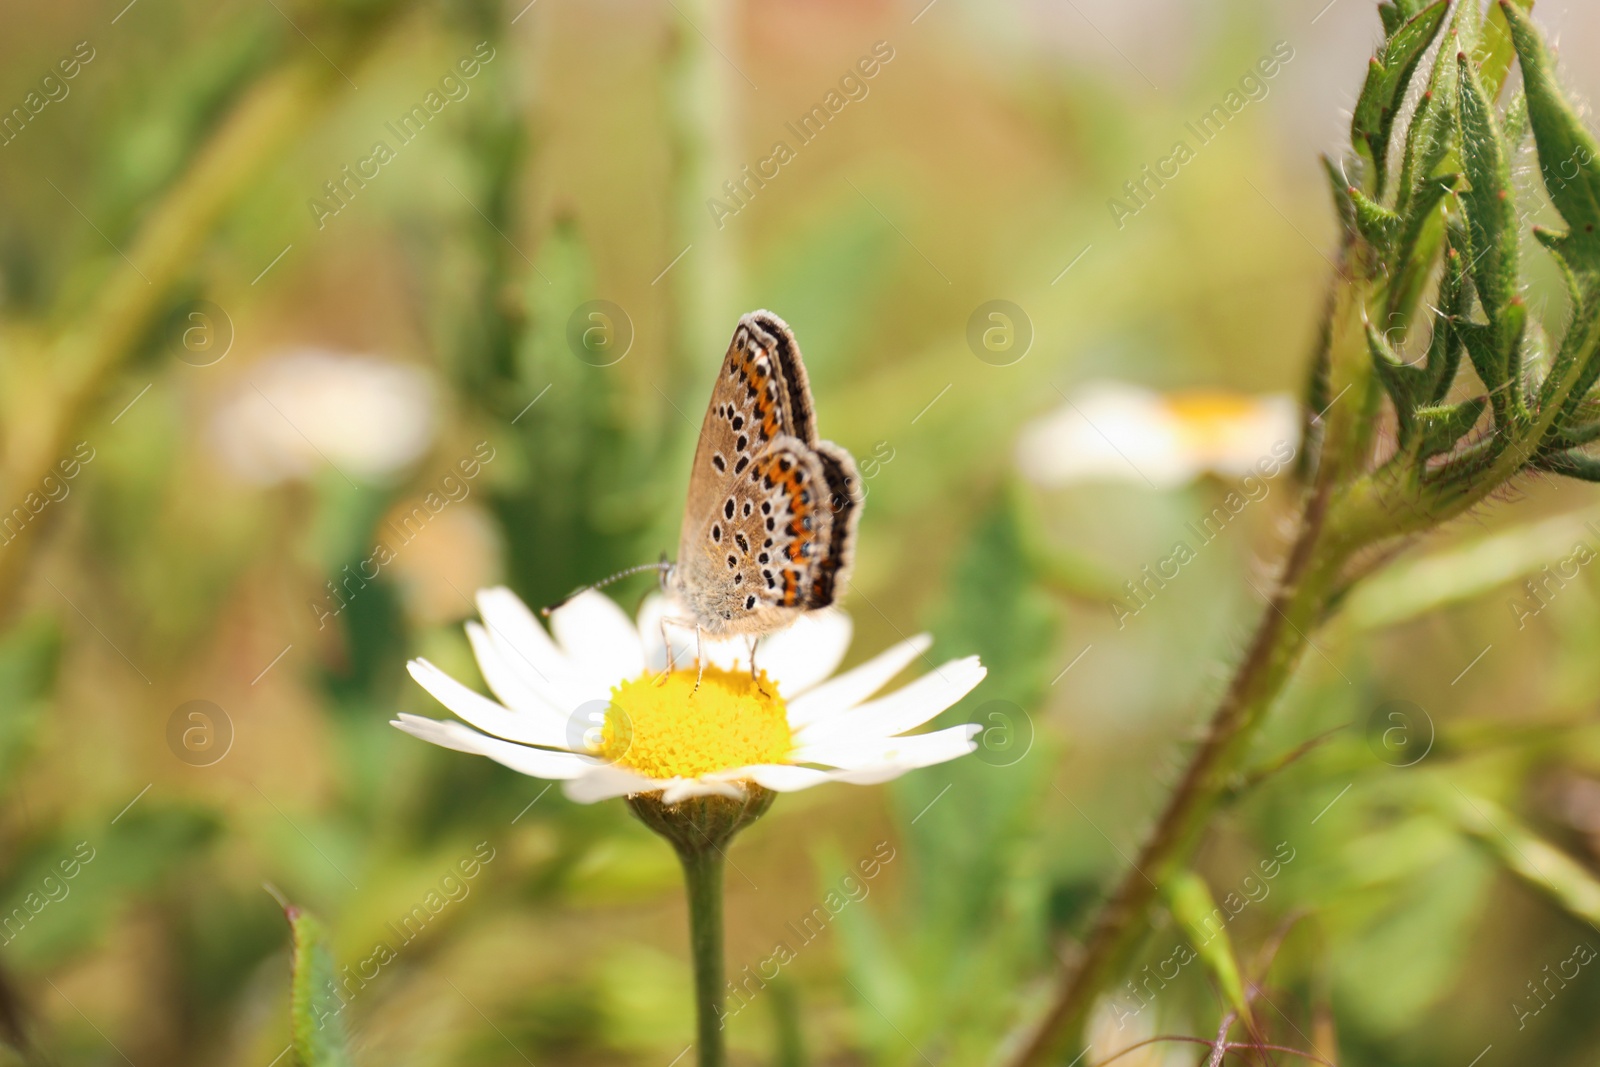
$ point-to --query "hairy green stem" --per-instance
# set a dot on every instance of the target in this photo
(1280, 639)
(702, 874)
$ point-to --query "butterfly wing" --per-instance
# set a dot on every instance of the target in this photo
(770, 521)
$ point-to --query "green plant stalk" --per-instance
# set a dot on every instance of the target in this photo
(87, 355)
(700, 830)
(1280, 639)
(1299, 601)
(702, 875)
(700, 96)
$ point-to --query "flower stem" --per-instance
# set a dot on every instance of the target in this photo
(700, 830)
(702, 873)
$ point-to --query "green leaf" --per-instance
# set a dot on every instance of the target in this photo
(1417, 248)
(1197, 913)
(1416, 587)
(1387, 77)
(1568, 155)
(1488, 202)
(1569, 158)
(1532, 859)
(316, 1029)
(28, 660)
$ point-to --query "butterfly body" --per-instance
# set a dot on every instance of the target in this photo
(769, 528)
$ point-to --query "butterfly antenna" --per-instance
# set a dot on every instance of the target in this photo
(602, 583)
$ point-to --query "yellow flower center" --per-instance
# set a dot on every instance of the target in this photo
(1214, 422)
(670, 729)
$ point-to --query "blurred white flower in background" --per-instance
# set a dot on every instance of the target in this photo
(1116, 432)
(309, 407)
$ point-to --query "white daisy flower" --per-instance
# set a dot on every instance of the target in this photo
(306, 407)
(587, 704)
(1116, 432)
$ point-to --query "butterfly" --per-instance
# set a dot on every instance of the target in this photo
(770, 524)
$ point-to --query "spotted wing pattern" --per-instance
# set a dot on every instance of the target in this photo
(771, 516)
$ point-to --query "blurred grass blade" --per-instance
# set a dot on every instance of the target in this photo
(316, 1030)
(1192, 906)
(1413, 588)
(1532, 859)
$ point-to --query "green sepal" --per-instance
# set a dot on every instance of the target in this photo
(316, 1029)
(1579, 342)
(1342, 203)
(1496, 354)
(1569, 157)
(1515, 124)
(1359, 223)
(1581, 428)
(1444, 350)
(1387, 77)
(1439, 428)
(1485, 356)
(1376, 223)
(1488, 202)
(1405, 383)
(1417, 248)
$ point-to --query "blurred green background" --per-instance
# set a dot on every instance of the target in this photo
(344, 364)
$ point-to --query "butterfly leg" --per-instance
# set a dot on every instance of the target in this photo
(666, 643)
(700, 660)
(754, 639)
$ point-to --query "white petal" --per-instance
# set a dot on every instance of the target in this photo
(904, 709)
(485, 714)
(807, 652)
(605, 782)
(783, 778)
(537, 762)
(510, 686)
(527, 649)
(857, 684)
(655, 608)
(919, 750)
(598, 638)
(681, 789)
(1109, 431)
